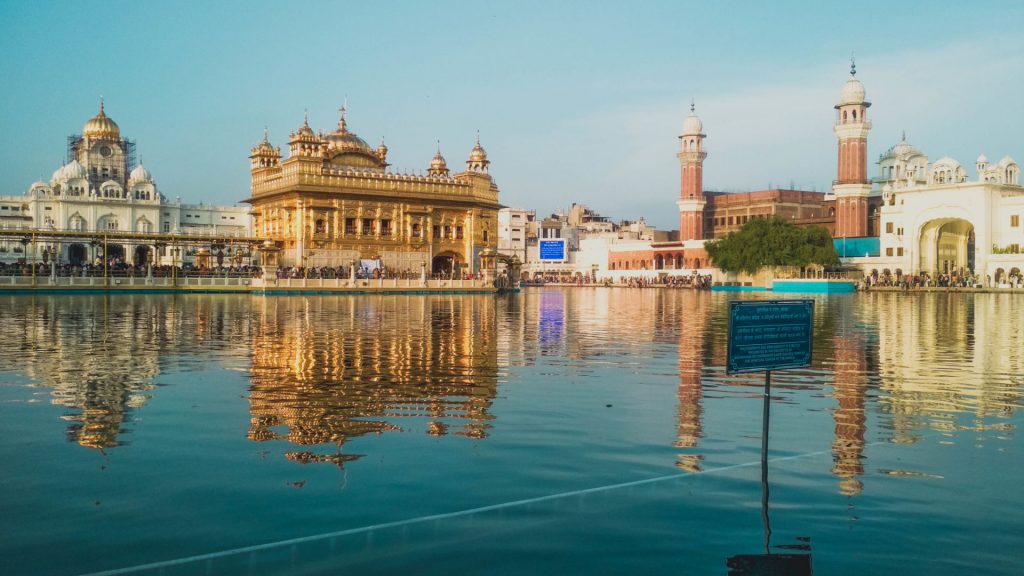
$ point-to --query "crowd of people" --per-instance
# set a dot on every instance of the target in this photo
(362, 273)
(118, 268)
(962, 279)
(692, 281)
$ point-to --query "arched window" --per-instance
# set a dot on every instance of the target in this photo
(844, 116)
(854, 115)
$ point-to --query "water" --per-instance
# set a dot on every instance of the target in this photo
(557, 431)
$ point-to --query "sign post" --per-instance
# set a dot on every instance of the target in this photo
(768, 335)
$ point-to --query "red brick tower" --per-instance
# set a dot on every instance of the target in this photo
(691, 195)
(852, 185)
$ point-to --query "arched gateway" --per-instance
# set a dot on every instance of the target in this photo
(947, 246)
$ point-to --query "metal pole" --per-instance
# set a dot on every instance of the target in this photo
(764, 462)
(106, 278)
(33, 260)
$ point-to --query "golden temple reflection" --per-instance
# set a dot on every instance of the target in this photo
(378, 361)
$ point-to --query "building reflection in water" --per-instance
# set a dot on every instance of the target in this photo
(99, 357)
(325, 370)
(945, 355)
(850, 383)
(693, 327)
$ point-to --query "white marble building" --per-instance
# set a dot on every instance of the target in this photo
(101, 188)
(935, 219)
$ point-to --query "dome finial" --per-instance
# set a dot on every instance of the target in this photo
(904, 138)
(342, 127)
(266, 135)
(853, 66)
(305, 117)
(439, 147)
(101, 103)
(693, 106)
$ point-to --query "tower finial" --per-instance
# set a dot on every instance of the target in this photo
(266, 135)
(305, 117)
(853, 66)
(904, 136)
(101, 103)
(693, 106)
(439, 147)
(477, 136)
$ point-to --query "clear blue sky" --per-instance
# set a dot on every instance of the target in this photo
(575, 101)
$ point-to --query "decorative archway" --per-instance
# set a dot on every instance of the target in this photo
(142, 254)
(946, 246)
(446, 264)
(78, 254)
(114, 252)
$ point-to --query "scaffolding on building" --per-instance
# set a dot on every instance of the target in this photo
(75, 140)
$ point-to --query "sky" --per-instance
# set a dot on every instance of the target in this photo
(575, 102)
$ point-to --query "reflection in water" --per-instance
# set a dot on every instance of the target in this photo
(692, 327)
(100, 356)
(326, 369)
(850, 388)
(329, 369)
(944, 355)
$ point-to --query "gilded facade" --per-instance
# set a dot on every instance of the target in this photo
(333, 201)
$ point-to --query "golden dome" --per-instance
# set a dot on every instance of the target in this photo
(478, 154)
(438, 163)
(101, 126)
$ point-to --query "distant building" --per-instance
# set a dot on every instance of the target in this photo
(334, 201)
(517, 231)
(101, 188)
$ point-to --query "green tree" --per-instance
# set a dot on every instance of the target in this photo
(772, 242)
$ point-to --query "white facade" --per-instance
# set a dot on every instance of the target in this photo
(515, 227)
(96, 192)
(936, 220)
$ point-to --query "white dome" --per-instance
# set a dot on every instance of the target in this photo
(140, 174)
(692, 126)
(946, 161)
(75, 170)
(39, 184)
(853, 92)
(982, 159)
(58, 175)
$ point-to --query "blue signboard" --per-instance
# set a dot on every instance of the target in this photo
(769, 334)
(552, 250)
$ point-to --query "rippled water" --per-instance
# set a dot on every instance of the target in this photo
(557, 431)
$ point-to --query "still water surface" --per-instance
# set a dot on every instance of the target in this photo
(552, 432)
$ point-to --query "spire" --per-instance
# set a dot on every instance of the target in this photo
(266, 135)
(305, 117)
(342, 127)
(693, 107)
(101, 105)
(853, 66)
(439, 145)
(904, 137)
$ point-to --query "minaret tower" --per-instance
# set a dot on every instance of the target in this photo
(852, 185)
(691, 194)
